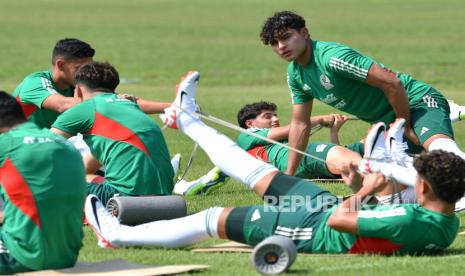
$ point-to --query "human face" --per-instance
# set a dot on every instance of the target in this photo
(291, 44)
(266, 119)
(70, 67)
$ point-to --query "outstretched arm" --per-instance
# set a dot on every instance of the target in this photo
(298, 134)
(395, 93)
(152, 107)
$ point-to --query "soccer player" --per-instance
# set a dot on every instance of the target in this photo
(260, 118)
(44, 95)
(319, 224)
(120, 136)
(354, 83)
(43, 188)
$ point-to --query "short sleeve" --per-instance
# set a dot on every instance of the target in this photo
(78, 119)
(36, 90)
(298, 93)
(247, 142)
(384, 221)
(347, 62)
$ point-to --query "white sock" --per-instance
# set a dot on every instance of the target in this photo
(172, 233)
(402, 174)
(448, 145)
(224, 153)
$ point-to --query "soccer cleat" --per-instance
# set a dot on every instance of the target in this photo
(176, 164)
(206, 184)
(185, 100)
(395, 144)
(457, 112)
(375, 148)
(460, 205)
(105, 226)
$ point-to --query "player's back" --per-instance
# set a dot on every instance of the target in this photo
(43, 187)
(130, 145)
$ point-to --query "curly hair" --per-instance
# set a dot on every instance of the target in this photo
(445, 172)
(275, 26)
(97, 76)
(11, 112)
(72, 48)
(251, 111)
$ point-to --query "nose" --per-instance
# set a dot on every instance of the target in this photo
(281, 45)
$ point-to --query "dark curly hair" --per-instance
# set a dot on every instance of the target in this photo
(97, 76)
(445, 172)
(72, 48)
(276, 25)
(251, 111)
(11, 112)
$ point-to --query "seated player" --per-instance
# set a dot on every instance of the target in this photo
(120, 136)
(348, 227)
(261, 118)
(44, 95)
(43, 188)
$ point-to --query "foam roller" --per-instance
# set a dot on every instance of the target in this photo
(274, 255)
(134, 210)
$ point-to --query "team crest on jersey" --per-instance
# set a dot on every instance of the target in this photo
(306, 87)
(340, 104)
(326, 82)
(330, 98)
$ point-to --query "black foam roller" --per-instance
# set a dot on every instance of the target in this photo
(134, 210)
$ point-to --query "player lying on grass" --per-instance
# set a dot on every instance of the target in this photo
(354, 83)
(318, 224)
(43, 188)
(261, 118)
(120, 136)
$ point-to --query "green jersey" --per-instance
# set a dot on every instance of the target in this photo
(125, 140)
(33, 91)
(336, 75)
(387, 229)
(278, 156)
(43, 188)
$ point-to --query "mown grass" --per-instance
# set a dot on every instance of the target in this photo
(152, 43)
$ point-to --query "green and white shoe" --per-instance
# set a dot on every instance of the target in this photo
(206, 184)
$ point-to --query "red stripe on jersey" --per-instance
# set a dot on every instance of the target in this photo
(374, 245)
(18, 191)
(28, 109)
(106, 127)
(259, 153)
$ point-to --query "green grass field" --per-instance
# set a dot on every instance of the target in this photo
(153, 43)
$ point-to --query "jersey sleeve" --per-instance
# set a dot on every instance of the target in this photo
(384, 221)
(78, 119)
(298, 95)
(347, 62)
(247, 142)
(35, 91)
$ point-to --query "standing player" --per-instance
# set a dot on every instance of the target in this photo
(120, 136)
(43, 189)
(319, 224)
(352, 82)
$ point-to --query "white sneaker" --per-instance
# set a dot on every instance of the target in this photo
(375, 149)
(395, 144)
(457, 112)
(185, 100)
(176, 164)
(460, 205)
(105, 226)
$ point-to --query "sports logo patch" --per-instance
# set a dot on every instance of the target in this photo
(326, 82)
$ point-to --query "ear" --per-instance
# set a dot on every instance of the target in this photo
(60, 64)
(249, 123)
(78, 93)
(304, 32)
